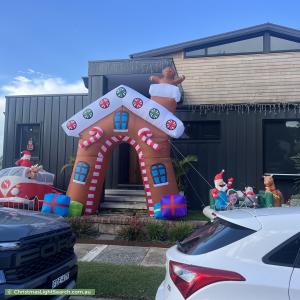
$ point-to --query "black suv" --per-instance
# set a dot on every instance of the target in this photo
(36, 251)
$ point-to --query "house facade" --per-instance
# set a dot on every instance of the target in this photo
(240, 106)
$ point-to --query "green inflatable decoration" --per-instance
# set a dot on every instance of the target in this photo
(265, 199)
(211, 200)
(75, 209)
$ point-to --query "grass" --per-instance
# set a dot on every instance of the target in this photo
(120, 281)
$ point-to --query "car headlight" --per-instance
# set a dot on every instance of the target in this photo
(9, 246)
(2, 277)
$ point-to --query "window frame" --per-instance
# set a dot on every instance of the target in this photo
(87, 166)
(121, 114)
(202, 140)
(18, 136)
(285, 38)
(266, 45)
(159, 176)
(296, 263)
(265, 171)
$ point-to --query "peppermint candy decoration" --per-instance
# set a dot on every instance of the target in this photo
(71, 125)
(5, 184)
(88, 113)
(121, 92)
(104, 103)
(154, 113)
(171, 124)
(137, 103)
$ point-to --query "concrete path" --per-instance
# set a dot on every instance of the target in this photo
(121, 255)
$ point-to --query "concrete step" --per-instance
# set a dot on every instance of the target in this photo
(124, 205)
(118, 198)
(123, 192)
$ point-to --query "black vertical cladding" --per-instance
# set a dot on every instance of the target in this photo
(239, 150)
(50, 111)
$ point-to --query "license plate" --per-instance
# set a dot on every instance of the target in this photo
(61, 279)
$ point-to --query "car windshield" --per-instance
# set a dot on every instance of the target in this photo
(213, 236)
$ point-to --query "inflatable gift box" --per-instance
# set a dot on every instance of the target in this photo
(173, 206)
(157, 211)
(56, 204)
(75, 209)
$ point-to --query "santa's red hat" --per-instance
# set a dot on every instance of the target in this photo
(26, 152)
(219, 176)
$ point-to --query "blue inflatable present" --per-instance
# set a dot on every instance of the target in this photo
(157, 211)
(57, 204)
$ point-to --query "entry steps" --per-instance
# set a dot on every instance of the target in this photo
(121, 199)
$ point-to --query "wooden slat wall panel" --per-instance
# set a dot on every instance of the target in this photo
(240, 78)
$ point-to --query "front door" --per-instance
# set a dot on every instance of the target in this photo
(129, 175)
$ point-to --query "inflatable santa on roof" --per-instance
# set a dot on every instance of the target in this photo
(25, 160)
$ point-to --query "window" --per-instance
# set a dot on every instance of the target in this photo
(280, 44)
(81, 172)
(281, 142)
(159, 174)
(252, 45)
(285, 254)
(213, 236)
(28, 138)
(121, 121)
(202, 130)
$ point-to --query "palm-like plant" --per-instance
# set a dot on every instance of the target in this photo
(70, 164)
(181, 168)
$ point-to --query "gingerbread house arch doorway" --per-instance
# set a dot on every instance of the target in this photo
(125, 116)
(125, 168)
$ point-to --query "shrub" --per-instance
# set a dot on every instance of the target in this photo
(134, 231)
(81, 227)
(156, 231)
(179, 231)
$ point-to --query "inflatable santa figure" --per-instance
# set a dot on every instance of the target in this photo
(219, 192)
(24, 161)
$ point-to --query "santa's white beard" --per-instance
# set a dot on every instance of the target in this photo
(223, 188)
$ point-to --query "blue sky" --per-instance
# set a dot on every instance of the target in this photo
(45, 45)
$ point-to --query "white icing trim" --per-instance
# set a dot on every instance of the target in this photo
(80, 123)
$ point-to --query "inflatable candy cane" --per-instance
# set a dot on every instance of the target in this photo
(95, 135)
(145, 134)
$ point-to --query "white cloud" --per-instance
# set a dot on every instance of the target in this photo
(32, 82)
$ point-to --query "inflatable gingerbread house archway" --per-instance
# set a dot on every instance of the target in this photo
(125, 116)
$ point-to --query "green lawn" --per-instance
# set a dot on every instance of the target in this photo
(120, 281)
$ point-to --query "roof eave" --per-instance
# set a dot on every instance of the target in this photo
(219, 38)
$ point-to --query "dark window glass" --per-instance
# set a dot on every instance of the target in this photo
(279, 44)
(213, 236)
(281, 142)
(195, 53)
(28, 139)
(244, 46)
(251, 45)
(202, 130)
(284, 255)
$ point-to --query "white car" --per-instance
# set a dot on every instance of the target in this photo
(246, 254)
